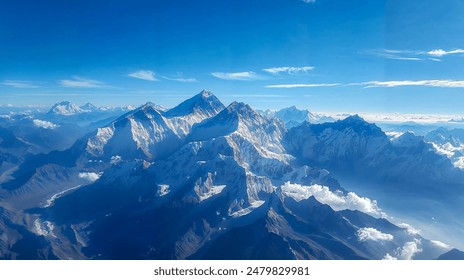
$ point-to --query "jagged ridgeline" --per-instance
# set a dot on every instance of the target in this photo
(206, 181)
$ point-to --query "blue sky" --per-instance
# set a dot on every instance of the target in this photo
(324, 55)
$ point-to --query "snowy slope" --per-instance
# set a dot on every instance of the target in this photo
(353, 145)
(449, 143)
(67, 108)
(292, 116)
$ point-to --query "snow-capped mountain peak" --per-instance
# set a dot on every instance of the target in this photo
(148, 132)
(407, 139)
(89, 107)
(65, 108)
(205, 103)
(294, 115)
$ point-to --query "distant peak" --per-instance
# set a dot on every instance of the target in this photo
(88, 106)
(63, 103)
(354, 118)
(206, 93)
(241, 109)
(65, 108)
(148, 104)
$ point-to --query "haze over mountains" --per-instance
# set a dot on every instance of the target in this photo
(207, 181)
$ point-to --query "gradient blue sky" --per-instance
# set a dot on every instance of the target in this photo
(324, 55)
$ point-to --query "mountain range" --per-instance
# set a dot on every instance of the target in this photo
(207, 181)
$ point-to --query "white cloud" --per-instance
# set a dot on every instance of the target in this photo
(19, 84)
(427, 83)
(441, 52)
(44, 124)
(409, 249)
(309, 1)
(396, 54)
(413, 54)
(440, 244)
(301, 85)
(388, 257)
(337, 200)
(411, 230)
(386, 84)
(180, 78)
(89, 176)
(79, 82)
(146, 75)
(288, 70)
(373, 234)
(237, 76)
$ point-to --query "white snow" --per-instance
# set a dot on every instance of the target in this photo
(373, 234)
(444, 150)
(50, 201)
(393, 134)
(96, 144)
(44, 228)
(214, 190)
(248, 210)
(398, 117)
(44, 124)
(66, 109)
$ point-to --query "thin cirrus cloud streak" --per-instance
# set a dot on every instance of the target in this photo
(79, 82)
(376, 84)
(180, 78)
(146, 75)
(19, 84)
(425, 83)
(289, 70)
(414, 55)
(395, 54)
(302, 85)
(440, 52)
(237, 76)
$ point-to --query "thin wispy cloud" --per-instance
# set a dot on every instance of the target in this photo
(289, 70)
(426, 83)
(146, 75)
(441, 52)
(309, 1)
(414, 55)
(302, 85)
(19, 84)
(79, 82)
(386, 84)
(237, 76)
(396, 54)
(179, 78)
